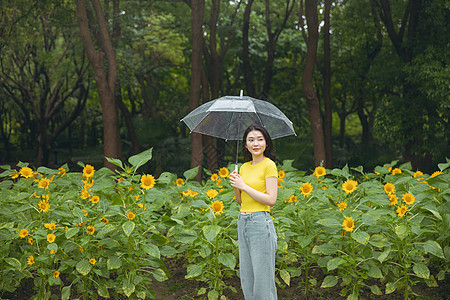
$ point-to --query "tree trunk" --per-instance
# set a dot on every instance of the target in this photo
(197, 14)
(210, 150)
(312, 100)
(273, 36)
(403, 41)
(246, 67)
(105, 79)
(214, 56)
(135, 149)
(328, 121)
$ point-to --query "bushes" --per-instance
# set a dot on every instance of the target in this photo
(105, 233)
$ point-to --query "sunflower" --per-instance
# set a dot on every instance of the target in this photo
(85, 194)
(212, 193)
(44, 206)
(319, 171)
(291, 199)
(396, 171)
(44, 183)
(393, 199)
(90, 230)
(436, 174)
(92, 261)
(30, 240)
(185, 193)
(342, 206)
(104, 220)
(95, 199)
(56, 274)
(417, 174)
(131, 215)
(62, 171)
(179, 182)
(88, 171)
(88, 184)
(349, 186)
(214, 177)
(401, 210)
(389, 188)
(51, 238)
(50, 226)
(348, 224)
(14, 175)
(217, 207)
(306, 189)
(30, 260)
(281, 174)
(192, 193)
(26, 172)
(223, 172)
(409, 198)
(147, 181)
(23, 233)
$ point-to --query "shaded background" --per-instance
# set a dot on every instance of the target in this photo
(381, 79)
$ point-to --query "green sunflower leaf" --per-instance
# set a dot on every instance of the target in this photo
(434, 248)
(329, 281)
(140, 159)
(128, 227)
(84, 267)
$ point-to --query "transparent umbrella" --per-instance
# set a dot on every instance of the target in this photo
(228, 117)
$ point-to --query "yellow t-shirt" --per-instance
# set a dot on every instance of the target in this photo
(255, 177)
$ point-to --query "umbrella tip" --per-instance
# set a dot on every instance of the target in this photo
(242, 93)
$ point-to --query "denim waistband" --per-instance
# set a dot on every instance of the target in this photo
(255, 213)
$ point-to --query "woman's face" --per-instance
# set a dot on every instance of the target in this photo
(255, 143)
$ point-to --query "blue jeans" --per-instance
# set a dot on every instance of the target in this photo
(257, 247)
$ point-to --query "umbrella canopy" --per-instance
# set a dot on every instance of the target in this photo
(228, 117)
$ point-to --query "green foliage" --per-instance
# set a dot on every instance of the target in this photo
(108, 233)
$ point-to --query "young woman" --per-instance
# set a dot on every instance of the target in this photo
(255, 187)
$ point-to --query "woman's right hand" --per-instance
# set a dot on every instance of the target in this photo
(236, 180)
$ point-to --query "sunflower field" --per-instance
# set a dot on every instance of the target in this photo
(99, 233)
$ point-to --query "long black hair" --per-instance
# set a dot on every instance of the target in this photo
(270, 150)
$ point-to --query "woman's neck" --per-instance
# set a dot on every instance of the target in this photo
(257, 159)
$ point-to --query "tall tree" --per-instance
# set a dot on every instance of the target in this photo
(95, 35)
(315, 118)
(215, 48)
(408, 24)
(328, 120)
(246, 66)
(356, 87)
(273, 33)
(197, 15)
(275, 21)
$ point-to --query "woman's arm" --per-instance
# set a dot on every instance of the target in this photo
(237, 194)
(268, 198)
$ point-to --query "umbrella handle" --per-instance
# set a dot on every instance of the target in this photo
(236, 167)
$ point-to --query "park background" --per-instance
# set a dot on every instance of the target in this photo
(86, 84)
(372, 76)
